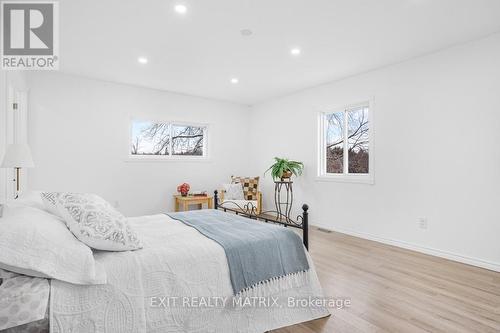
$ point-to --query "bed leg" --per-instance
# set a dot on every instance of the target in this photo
(216, 199)
(305, 225)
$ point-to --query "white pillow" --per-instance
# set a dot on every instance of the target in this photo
(36, 243)
(30, 199)
(94, 221)
(233, 192)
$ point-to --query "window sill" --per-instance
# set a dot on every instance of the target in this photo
(341, 178)
(164, 159)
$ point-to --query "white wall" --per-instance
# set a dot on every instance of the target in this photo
(437, 135)
(79, 132)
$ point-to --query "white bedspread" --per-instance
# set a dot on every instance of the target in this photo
(176, 261)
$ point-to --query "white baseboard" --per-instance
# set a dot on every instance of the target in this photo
(418, 248)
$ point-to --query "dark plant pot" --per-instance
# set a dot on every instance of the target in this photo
(184, 194)
(286, 175)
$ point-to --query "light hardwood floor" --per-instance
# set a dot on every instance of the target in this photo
(397, 290)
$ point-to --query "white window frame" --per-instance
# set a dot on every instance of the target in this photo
(169, 158)
(322, 175)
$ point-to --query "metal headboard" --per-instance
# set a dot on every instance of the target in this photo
(249, 210)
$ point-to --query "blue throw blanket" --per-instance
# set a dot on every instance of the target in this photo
(256, 252)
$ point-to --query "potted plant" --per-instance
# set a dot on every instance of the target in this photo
(183, 189)
(283, 169)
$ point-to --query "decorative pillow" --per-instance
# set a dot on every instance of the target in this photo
(49, 201)
(233, 192)
(250, 186)
(36, 243)
(95, 222)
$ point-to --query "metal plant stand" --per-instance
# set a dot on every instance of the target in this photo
(283, 199)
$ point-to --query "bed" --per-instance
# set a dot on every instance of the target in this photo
(179, 281)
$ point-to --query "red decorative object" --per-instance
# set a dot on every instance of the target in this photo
(183, 189)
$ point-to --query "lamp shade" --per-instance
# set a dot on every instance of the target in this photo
(18, 155)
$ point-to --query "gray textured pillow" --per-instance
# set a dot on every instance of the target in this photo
(49, 201)
(93, 221)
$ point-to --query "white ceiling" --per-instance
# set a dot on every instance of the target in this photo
(200, 52)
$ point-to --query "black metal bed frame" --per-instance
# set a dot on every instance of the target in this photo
(249, 210)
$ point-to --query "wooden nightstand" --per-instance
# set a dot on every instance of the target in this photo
(185, 202)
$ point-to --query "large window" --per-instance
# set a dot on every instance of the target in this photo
(167, 140)
(345, 144)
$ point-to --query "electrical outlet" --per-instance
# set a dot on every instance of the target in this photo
(116, 204)
(422, 222)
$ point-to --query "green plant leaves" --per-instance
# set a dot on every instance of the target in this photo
(283, 165)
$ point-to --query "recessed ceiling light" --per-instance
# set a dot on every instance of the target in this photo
(142, 60)
(181, 9)
(234, 80)
(246, 32)
(295, 51)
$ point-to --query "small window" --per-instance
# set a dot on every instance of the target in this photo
(345, 144)
(167, 140)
